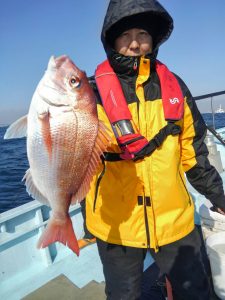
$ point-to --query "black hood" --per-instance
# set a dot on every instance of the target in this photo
(121, 11)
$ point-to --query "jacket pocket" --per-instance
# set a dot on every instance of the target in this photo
(185, 189)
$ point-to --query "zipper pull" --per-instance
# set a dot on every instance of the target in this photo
(135, 65)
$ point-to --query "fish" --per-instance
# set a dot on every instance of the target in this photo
(65, 143)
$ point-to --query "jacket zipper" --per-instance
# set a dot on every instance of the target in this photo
(156, 246)
(135, 64)
(146, 224)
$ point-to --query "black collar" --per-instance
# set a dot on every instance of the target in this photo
(128, 65)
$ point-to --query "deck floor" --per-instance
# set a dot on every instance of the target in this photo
(62, 288)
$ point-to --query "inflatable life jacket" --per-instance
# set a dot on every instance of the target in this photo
(132, 144)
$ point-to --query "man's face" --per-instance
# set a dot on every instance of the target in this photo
(134, 42)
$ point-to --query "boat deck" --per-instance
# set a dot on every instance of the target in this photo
(62, 288)
(78, 271)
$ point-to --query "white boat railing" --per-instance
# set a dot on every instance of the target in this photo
(26, 223)
(211, 96)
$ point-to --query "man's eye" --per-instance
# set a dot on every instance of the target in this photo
(124, 34)
(143, 32)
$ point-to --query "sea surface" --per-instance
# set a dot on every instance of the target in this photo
(14, 163)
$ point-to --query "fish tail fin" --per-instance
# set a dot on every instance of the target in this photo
(59, 232)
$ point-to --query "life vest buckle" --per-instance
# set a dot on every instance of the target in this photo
(126, 155)
(175, 130)
(131, 144)
(172, 128)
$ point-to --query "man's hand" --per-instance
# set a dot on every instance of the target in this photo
(220, 211)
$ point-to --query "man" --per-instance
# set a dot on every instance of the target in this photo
(139, 199)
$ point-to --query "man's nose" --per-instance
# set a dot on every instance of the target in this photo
(134, 44)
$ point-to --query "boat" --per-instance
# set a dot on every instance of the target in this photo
(219, 110)
(57, 273)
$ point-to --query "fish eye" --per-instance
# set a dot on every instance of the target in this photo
(74, 82)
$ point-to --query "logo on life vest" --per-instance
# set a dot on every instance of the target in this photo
(174, 100)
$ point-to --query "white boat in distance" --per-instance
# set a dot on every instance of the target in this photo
(219, 110)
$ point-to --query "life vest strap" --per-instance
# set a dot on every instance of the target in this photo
(170, 129)
(158, 139)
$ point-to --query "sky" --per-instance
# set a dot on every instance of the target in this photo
(31, 31)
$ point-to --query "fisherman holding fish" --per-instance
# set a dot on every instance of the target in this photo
(139, 199)
(130, 152)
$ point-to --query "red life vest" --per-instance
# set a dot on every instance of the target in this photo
(132, 143)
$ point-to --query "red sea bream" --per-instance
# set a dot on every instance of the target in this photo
(65, 140)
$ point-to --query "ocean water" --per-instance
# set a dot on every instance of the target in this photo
(14, 163)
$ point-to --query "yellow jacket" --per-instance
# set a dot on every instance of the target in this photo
(146, 203)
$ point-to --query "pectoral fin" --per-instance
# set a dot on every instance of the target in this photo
(17, 129)
(44, 118)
